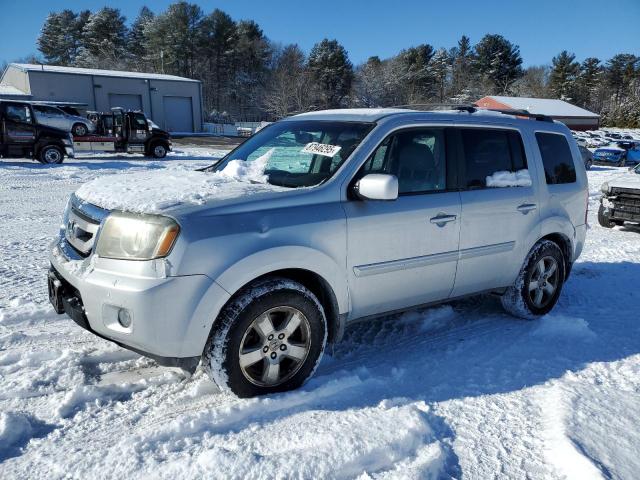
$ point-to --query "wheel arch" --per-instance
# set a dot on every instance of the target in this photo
(564, 242)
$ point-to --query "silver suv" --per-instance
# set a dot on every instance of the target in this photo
(57, 118)
(253, 265)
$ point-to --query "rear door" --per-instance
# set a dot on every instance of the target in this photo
(499, 208)
(404, 252)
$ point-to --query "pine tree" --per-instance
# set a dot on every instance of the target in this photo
(416, 77)
(60, 37)
(332, 70)
(137, 40)
(462, 71)
(563, 76)
(589, 84)
(499, 61)
(104, 38)
(440, 67)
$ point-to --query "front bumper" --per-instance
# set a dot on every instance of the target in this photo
(168, 321)
(622, 204)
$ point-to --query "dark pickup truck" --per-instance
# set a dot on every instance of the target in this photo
(21, 136)
(126, 132)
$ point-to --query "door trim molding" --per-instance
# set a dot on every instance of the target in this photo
(434, 259)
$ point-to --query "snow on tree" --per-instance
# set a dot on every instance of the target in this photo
(332, 71)
(563, 76)
(499, 61)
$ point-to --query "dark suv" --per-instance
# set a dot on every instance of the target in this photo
(22, 136)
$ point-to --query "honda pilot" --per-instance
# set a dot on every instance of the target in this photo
(252, 266)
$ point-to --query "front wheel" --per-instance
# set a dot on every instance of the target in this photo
(51, 154)
(269, 339)
(158, 150)
(604, 220)
(539, 282)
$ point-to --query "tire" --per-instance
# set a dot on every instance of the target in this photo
(544, 265)
(604, 220)
(296, 323)
(623, 162)
(158, 150)
(51, 155)
(589, 164)
(79, 130)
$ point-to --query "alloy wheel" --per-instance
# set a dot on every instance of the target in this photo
(275, 346)
(544, 281)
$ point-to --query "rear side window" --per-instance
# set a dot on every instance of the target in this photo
(489, 152)
(556, 158)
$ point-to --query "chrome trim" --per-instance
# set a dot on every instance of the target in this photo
(486, 250)
(426, 260)
(404, 264)
(82, 224)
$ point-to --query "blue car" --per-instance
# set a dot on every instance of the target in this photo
(618, 154)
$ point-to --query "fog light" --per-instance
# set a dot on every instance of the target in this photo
(124, 318)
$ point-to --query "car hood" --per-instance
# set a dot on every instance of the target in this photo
(609, 150)
(173, 190)
(625, 180)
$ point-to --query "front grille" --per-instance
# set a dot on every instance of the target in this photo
(626, 203)
(83, 223)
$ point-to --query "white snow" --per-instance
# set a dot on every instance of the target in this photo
(544, 106)
(521, 178)
(154, 191)
(461, 390)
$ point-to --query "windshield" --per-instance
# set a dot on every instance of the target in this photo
(299, 153)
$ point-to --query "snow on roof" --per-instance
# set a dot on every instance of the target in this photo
(11, 90)
(28, 67)
(545, 106)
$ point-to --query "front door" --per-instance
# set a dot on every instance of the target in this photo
(139, 128)
(19, 128)
(499, 209)
(404, 252)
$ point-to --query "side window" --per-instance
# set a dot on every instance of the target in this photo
(140, 121)
(493, 158)
(416, 157)
(556, 158)
(18, 113)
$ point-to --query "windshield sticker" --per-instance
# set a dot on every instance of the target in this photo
(321, 149)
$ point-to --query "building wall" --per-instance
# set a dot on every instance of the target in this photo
(94, 91)
(17, 78)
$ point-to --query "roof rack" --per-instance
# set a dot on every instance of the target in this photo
(522, 113)
(438, 106)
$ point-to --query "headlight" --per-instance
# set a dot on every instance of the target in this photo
(605, 187)
(127, 236)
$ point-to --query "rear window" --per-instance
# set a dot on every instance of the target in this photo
(487, 152)
(556, 158)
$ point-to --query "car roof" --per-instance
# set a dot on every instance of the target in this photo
(373, 115)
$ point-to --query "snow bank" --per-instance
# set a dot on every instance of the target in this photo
(521, 178)
(158, 190)
(14, 429)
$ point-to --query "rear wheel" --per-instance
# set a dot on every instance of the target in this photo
(79, 130)
(51, 154)
(270, 338)
(539, 283)
(589, 164)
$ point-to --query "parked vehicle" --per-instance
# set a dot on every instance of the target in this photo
(620, 200)
(22, 136)
(587, 157)
(124, 131)
(253, 265)
(619, 153)
(55, 117)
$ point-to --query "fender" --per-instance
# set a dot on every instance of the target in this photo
(248, 269)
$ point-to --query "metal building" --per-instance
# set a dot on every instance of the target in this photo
(575, 118)
(174, 103)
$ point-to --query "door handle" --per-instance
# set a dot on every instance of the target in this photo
(527, 207)
(442, 218)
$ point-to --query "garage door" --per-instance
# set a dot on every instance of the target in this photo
(178, 114)
(126, 101)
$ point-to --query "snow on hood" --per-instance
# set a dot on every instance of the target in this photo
(626, 180)
(155, 191)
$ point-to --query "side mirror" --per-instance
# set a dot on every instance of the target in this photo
(377, 186)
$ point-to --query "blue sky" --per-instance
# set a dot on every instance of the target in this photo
(542, 28)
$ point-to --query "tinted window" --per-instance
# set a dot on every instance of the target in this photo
(416, 157)
(18, 113)
(489, 151)
(140, 121)
(556, 158)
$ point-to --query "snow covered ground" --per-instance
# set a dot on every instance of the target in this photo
(461, 390)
